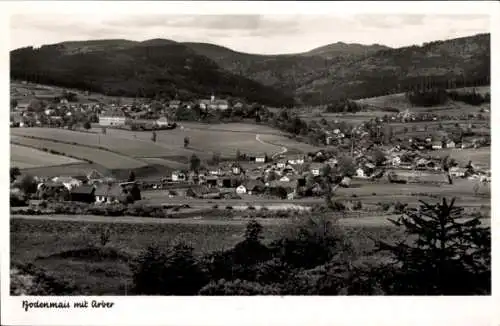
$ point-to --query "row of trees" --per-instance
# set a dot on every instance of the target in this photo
(439, 255)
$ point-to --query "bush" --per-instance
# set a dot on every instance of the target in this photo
(238, 287)
(41, 284)
(310, 242)
(172, 272)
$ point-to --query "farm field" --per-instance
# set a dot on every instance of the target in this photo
(234, 127)
(131, 147)
(59, 246)
(204, 142)
(480, 156)
(290, 144)
(27, 157)
(107, 159)
(68, 169)
(132, 150)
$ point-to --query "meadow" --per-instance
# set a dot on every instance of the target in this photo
(105, 158)
(27, 157)
(120, 149)
(67, 249)
(132, 147)
(479, 156)
(204, 141)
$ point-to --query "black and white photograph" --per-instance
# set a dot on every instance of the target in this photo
(249, 154)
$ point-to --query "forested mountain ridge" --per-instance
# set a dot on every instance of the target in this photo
(319, 76)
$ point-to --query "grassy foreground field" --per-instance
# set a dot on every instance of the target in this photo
(26, 157)
(60, 247)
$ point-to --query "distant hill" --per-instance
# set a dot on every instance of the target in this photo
(319, 76)
(288, 71)
(452, 63)
(147, 69)
(357, 71)
(345, 49)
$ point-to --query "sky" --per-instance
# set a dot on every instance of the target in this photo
(261, 34)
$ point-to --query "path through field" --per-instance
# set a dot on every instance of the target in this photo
(283, 148)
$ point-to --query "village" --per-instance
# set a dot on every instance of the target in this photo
(285, 178)
(350, 153)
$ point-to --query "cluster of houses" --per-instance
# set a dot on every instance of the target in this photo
(148, 117)
(44, 111)
(90, 188)
(35, 114)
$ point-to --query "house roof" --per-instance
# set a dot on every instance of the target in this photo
(94, 174)
(64, 179)
(251, 184)
(112, 113)
(83, 190)
(53, 184)
(221, 102)
(80, 177)
(315, 166)
(458, 169)
(282, 184)
(108, 190)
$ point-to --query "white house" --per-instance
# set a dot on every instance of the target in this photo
(241, 189)
(396, 161)
(315, 171)
(68, 182)
(260, 159)
(178, 176)
(280, 165)
(236, 169)
(360, 173)
(457, 172)
(285, 179)
(112, 118)
(296, 161)
(222, 104)
(450, 144)
(215, 172)
(162, 122)
(437, 145)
